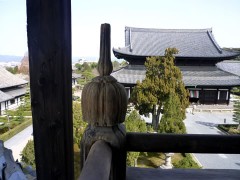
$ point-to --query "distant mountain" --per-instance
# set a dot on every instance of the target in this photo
(9, 58)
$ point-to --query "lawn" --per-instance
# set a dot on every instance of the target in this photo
(154, 160)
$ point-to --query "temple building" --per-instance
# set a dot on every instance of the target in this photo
(12, 88)
(197, 58)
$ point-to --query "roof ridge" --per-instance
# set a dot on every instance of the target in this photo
(214, 41)
(127, 28)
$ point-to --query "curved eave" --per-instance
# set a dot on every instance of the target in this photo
(15, 85)
(120, 55)
(213, 86)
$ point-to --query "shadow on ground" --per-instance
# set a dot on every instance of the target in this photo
(207, 124)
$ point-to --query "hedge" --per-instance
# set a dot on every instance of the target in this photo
(16, 130)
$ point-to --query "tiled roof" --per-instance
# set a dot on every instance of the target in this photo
(230, 66)
(7, 79)
(208, 75)
(15, 92)
(198, 43)
(192, 76)
(4, 97)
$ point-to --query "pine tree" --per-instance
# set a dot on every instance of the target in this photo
(172, 119)
(162, 79)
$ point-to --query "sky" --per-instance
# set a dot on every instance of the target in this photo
(87, 16)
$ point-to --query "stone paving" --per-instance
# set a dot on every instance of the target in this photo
(205, 123)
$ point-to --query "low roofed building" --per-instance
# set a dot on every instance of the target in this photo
(11, 89)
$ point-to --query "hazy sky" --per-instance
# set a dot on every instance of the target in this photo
(87, 16)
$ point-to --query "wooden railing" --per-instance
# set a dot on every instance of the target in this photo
(98, 163)
(183, 143)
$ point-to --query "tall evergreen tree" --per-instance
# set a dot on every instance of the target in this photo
(162, 79)
(172, 119)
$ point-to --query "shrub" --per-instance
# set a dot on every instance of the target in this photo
(4, 129)
(186, 162)
(7, 135)
(134, 123)
(28, 155)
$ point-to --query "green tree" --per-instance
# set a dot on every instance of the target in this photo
(86, 67)
(13, 70)
(88, 75)
(116, 65)
(78, 124)
(93, 65)
(28, 155)
(78, 66)
(134, 123)
(19, 113)
(172, 119)
(123, 63)
(236, 114)
(162, 79)
(27, 101)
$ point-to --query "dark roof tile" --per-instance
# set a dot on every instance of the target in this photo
(230, 66)
(8, 79)
(192, 76)
(153, 42)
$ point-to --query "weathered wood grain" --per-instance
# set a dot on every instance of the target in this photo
(49, 44)
(104, 105)
(98, 162)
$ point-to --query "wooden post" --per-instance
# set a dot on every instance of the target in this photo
(104, 105)
(49, 45)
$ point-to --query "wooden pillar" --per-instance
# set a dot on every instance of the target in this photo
(203, 96)
(228, 98)
(104, 105)
(49, 45)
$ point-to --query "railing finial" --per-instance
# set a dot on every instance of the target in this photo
(104, 106)
(104, 64)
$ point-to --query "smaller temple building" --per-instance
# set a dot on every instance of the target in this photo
(12, 88)
(197, 58)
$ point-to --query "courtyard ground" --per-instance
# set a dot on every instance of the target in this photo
(206, 123)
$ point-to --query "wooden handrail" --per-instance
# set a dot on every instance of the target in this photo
(98, 163)
(183, 143)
